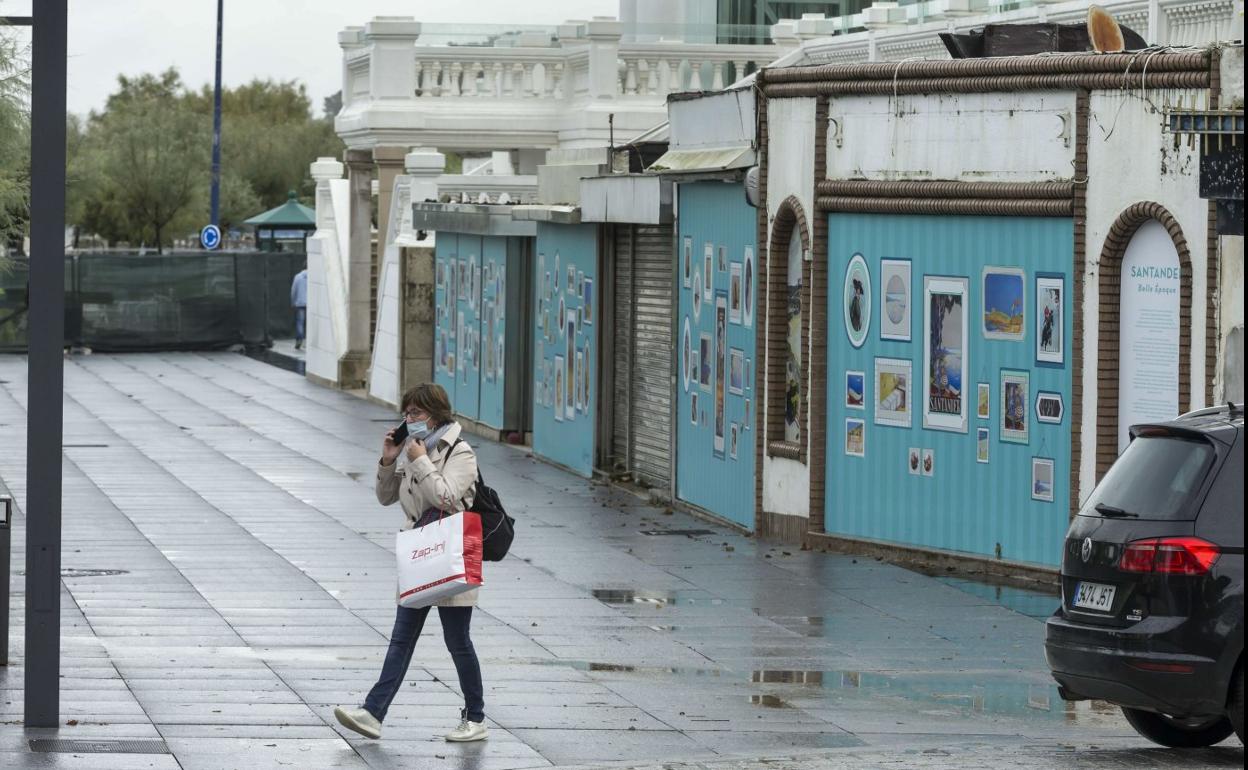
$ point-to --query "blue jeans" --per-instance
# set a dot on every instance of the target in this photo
(301, 316)
(455, 630)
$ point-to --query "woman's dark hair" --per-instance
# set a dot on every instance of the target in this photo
(429, 397)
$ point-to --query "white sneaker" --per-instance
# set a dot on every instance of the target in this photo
(359, 720)
(467, 731)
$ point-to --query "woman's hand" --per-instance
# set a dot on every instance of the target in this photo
(389, 449)
(416, 449)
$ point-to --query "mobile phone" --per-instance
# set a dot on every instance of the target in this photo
(400, 433)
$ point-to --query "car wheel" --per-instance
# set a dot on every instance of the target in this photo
(1235, 708)
(1179, 733)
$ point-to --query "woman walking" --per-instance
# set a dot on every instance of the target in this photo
(431, 474)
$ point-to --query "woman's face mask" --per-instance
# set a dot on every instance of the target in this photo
(418, 429)
(417, 425)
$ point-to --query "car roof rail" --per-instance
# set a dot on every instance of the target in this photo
(1232, 409)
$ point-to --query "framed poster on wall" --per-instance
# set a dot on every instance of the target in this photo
(857, 304)
(894, 390)
(944, 353)
(1015, 406)
(1050, 319)
(1004, 304)
(895, 299)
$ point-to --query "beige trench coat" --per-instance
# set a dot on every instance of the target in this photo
(432, 481)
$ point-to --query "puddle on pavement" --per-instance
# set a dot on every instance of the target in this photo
(655, 598)
(769, 702)
(965, 693)
(1033, 604)
(625, 668)
(778, 676)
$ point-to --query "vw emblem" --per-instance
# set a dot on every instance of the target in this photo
(1086, 551)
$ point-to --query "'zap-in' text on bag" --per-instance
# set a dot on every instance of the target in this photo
(439, 560)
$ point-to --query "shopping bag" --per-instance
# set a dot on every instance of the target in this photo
(439, 560)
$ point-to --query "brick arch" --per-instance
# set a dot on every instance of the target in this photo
(1109, 298)
(790, 218)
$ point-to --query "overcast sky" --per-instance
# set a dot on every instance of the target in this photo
(278, 39)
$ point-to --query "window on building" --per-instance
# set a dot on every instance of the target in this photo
(793, 364)
(748, 21)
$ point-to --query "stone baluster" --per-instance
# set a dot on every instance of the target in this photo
(494, 85)
(428, 80)
(556, 79)
(439, 79)
(738, 70)
(630, 77)
(517, 80)
(457, 72)
(652, 77)
(469, 87)
(420, 72)
(666, 76)
(695, 75)
(717, 76)
(530, 85)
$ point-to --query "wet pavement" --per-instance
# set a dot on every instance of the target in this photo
(229, 581)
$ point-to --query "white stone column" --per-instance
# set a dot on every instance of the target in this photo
(604, 54)
(424, 165)
(353, 367)
(349, 39)
(389, 162)
(392, 67)
(326, 309)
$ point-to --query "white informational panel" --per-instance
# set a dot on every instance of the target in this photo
(1148, 357)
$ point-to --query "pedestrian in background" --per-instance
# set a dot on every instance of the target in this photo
(431, 474)
(299, 301)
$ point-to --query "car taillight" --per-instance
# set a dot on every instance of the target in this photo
(1169, 555)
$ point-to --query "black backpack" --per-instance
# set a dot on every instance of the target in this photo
(497, 528)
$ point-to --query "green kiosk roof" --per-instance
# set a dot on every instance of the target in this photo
(292, 213)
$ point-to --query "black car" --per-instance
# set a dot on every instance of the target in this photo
(1152, 614)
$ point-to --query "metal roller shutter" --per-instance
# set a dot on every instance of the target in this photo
(643, 374)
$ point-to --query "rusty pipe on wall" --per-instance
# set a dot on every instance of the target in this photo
(1024, 207)
(1067, 82)
(1055, 64)
(858, 188)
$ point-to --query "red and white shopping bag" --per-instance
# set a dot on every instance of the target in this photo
(439, 560)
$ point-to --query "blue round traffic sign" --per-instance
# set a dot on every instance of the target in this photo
(210, 237)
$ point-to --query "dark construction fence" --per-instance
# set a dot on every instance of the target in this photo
(179, 301)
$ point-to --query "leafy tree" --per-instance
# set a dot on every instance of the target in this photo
(332, 105)
(147, 154)
(139, 168)
(14, 141)
(269, 137)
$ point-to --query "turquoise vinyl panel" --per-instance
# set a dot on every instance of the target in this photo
(446, 256)
(565, 437)
(493, 328)
(715, 213)
(964, 505)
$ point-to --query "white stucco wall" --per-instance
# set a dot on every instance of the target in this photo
(790, 171)
(1130, 160)
(327, 282)
(791, 158)
(1229, 379)
(384, 379)
(996, 137)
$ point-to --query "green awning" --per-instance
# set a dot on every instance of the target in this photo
(292, 213)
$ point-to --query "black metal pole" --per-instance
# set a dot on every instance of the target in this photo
(216, 125)
(6, 548)
(45, 375)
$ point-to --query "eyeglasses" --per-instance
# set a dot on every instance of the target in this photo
(412, 415)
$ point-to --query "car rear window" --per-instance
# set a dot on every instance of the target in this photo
(1155, 478)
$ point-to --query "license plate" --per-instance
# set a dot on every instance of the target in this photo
(1094, 596)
